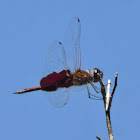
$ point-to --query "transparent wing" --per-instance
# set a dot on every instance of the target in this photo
(77, 88)
(56, 62)
(58, 98)
(56, 59)
(72, 44)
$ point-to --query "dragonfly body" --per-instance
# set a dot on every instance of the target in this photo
(65, 79)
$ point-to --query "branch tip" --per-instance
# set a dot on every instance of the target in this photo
(109, 81)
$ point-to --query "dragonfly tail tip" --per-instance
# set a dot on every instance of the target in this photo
(15, 93)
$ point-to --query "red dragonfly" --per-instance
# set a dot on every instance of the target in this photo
(63, 68)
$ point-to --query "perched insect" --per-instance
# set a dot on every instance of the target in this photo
(63, 70)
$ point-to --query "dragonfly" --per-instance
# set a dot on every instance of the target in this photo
(63, 69)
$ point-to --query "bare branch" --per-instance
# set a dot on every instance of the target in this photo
(106, 103)
(98, 138)
(103, 90)
(113, 91)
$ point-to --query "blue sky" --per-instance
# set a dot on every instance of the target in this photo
(110, 40)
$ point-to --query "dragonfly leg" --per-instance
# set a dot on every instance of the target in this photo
(95, 87)
(89, 95)
(88, 90)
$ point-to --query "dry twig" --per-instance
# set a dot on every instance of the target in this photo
(107, 109)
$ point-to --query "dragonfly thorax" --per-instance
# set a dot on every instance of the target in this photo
(96, 74)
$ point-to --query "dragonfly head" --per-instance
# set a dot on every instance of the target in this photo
(97, 75)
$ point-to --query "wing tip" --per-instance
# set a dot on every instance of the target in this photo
(78, 20)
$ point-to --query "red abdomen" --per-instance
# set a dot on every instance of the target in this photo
(56, 80)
